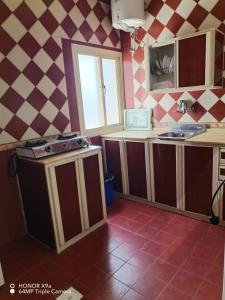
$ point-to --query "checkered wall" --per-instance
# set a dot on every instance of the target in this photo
(164, 20)
(33, 93)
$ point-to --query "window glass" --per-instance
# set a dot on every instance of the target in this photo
(91, 92)
(109, 70)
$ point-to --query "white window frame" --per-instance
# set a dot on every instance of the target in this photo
(101, 53)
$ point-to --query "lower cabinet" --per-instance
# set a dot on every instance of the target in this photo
(199, 181)
(164, 174)
(113, 162)
(63, 196)
(178, 175)
(137, 168)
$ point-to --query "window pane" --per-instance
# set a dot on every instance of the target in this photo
(91, 93)
(111, 93)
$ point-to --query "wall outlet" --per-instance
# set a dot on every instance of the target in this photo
(70, 294)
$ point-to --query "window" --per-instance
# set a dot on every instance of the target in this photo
(99, 89)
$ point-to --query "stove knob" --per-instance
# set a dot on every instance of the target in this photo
(48, 149)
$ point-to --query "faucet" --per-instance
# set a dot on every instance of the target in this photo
(185, 106)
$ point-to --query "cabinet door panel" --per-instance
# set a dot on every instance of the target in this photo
(198, 179)
(192, 56)
(218, 73)
(93, 189)
(136, 169)
(112, 149)
(164, 158)
(223, 203)
(36, 204)
(68, 199)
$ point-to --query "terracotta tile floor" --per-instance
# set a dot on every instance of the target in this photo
(143, 253)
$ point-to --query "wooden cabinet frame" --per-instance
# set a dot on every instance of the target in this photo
(179, 173)
(209, 67)
(53, 195)
(124, 169)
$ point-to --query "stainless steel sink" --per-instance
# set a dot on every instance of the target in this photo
(176, 135)
(182, 132)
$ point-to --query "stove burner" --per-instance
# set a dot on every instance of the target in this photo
(66, 137)
(35, 144)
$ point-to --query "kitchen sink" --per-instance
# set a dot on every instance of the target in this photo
(176, 135)
(182, 131)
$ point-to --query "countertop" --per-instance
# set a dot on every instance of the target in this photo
(136, 135)
(214, 136)
(66, 155)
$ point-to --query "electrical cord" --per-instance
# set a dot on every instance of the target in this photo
(12, 167)
(213, 218)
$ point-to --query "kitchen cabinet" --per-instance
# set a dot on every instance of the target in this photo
(164, 174)
(162, 65)
(194, 61)
(112, 149)
(128, 161)
(200, 59)
(199, 178)
(192, 57)
(137, 168)
(63, 196)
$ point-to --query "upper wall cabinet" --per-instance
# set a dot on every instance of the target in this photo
(162, 66)
(194, 61)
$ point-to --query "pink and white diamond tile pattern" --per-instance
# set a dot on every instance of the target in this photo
(167, 19)
(33, 92)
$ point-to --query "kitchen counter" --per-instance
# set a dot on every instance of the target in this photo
(136, 135)
(214, 136)
(61, 156)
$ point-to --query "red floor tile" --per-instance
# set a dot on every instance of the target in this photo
(161, 270)
(125, 251)
(142, 253)
(155, 249)
(185, 283)
(132, 295)
(209, 291)
(149, 288)
(112, 289)
(128, 274)
(142, 260)
(170, 293)
(94, 278)
(110, 264)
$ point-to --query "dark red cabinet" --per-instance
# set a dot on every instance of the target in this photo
(63, 196)
(136, 168)
(165, 186)
(93, 189)
(198, 171)
(37, 209)
(68, 199)
(192, 60)
(113, 161)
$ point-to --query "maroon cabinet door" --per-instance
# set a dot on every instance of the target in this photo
(198, 163)
(192, 61)
(164, 158)
(136, 169)
(66, 179)
(36, 204)
(112, 152)
(218, 72)
(223, 203)
(93, 189)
